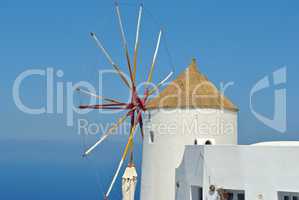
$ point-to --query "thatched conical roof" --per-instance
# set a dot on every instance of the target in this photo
(191, 89)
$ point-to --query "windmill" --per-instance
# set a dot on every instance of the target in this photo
(133, 109)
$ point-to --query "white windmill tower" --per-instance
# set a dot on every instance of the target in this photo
(190, 110)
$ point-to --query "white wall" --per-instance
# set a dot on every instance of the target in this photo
(173, 129)
(259, 170)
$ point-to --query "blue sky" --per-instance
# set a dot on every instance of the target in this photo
(231, 40)
(239, 41)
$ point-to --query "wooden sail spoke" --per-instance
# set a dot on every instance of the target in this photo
(86, 92)
(106, 134)
(124, 155)
(153, 90)
(113, 106)
(137, 43)
(150, 75)
(124, 42)
(114, 65)
(141, 126)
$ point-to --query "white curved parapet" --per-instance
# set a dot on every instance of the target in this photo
(260, 172)
(278, 143)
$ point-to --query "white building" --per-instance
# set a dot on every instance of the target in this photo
(191, 113)
(262, 172)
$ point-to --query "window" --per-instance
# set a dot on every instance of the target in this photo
(232, 194)
(208, 142)
(288, 196)
(196, 193)
(241, 196)
(152, 137)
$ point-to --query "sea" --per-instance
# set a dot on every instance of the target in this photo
(54, 169)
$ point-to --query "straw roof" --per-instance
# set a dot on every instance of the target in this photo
(191, 89)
